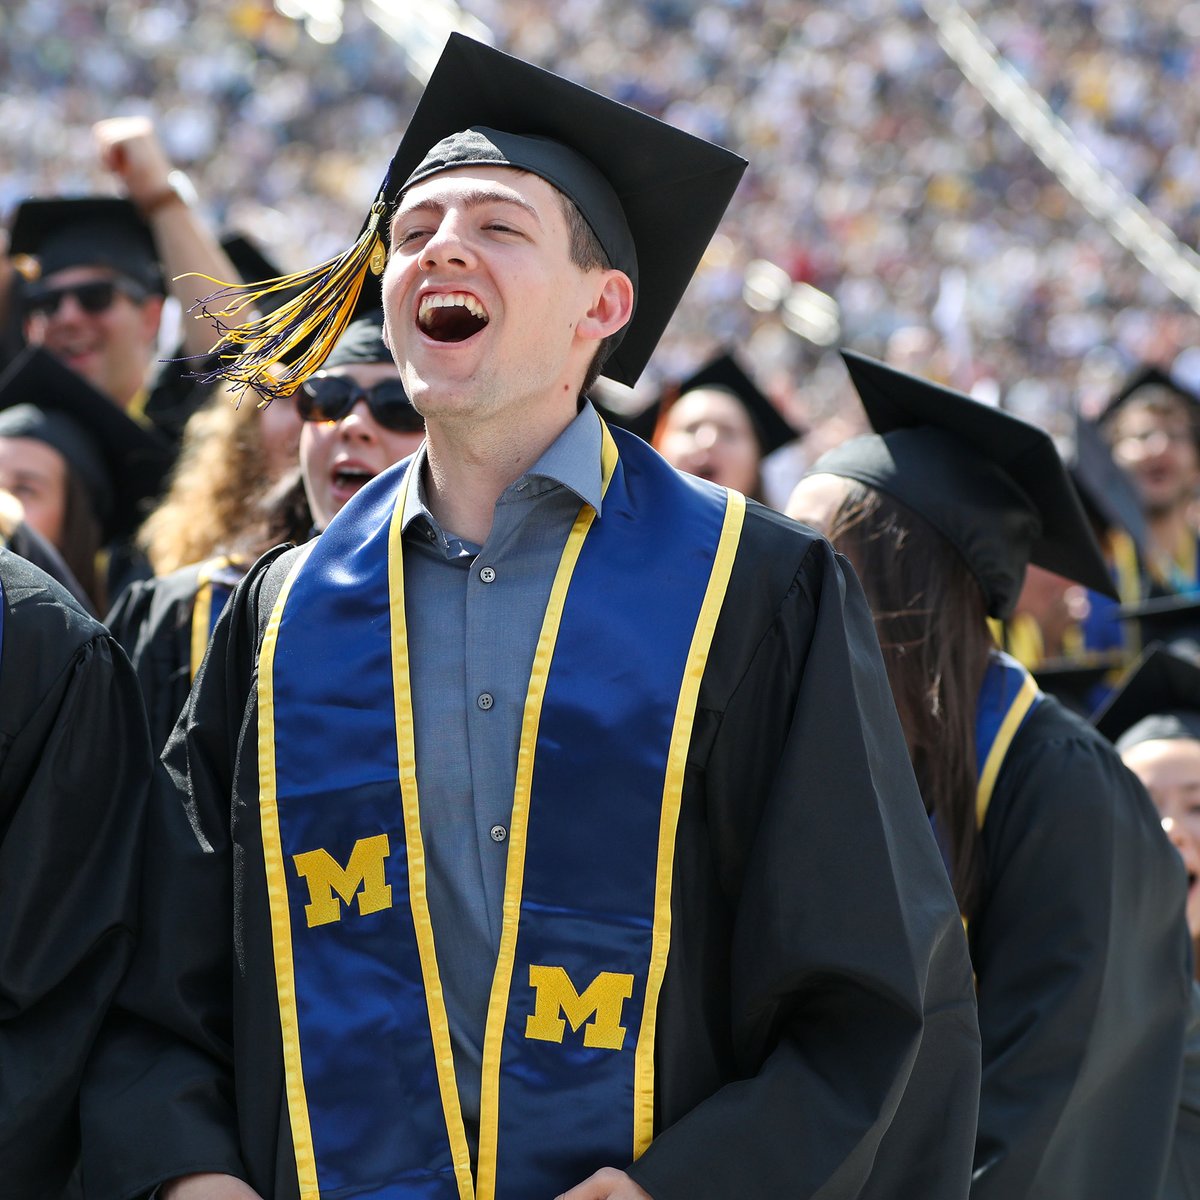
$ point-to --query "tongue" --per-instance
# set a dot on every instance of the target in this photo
(452, 324)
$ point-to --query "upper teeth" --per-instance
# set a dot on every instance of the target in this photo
(451, 300)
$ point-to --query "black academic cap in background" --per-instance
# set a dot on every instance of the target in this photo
(248, 257)
(361, 343)
(652, 193)
(122, 463)
(1107, 492)
(85, 231)
(1172, 620)
(726, 374)
(993, 485)
(1073, 682)
(1143, 377)
(1159, 698)
(369, 302)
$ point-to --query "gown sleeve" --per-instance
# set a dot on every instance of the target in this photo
(852, 1009)
(163, 1065)
(74, 764)
(1084, 971)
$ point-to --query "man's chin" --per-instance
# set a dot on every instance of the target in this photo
(1156, 508)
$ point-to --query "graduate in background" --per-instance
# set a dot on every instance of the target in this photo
(1153, 719)
(96, 270)
(1153, 427)
(356, 422)
(75, 764)
(640, 897)
(1074, 900)
(1072, 637)
(17, 535)
(82, 468)
(719, 425)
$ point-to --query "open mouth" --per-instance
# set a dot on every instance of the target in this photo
(351, 478)
(451, 316)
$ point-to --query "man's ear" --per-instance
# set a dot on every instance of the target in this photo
(611, 309)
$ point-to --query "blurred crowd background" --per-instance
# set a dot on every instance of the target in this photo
(877, 175)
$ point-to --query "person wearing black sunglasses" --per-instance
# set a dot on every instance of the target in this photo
(97, 269)
(357, 417)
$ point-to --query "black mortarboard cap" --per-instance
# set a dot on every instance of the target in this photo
(1171, 620)
(652, 193)
(725, 373)
(1146, 376)
(1107, 492)
(133, 459)
(248, 257)
(1158, 699)
(252, 265)
(61, 232)
(81, 451)
(993, 485)
(362, 342)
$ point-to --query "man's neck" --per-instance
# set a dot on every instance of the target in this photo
(1169, 534)
(467, 468)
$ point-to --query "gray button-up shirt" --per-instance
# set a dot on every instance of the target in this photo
(474, 614)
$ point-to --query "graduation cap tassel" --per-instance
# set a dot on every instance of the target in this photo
(300, 332)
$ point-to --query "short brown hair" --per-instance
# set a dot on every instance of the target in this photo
(588, 255)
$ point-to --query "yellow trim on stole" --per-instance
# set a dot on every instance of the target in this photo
(281, 925)
(135, 410)
(489, 1102)
(439, 1024)
(1008, 730)
(681, 738)
(202, 610)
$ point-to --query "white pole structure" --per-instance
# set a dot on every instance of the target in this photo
(1127, 219)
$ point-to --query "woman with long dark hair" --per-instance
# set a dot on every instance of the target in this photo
(1073, 897)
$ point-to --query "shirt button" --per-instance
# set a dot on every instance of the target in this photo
(487, 574)
(485, 700)
(499, 833)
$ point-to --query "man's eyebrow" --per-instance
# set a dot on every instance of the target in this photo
(474, 198)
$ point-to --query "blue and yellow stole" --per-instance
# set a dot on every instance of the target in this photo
(1007, 697)
(568, 1063)
(215, 582)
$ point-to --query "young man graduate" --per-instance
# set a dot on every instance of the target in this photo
(545, 827)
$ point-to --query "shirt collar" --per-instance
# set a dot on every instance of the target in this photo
(572, 460)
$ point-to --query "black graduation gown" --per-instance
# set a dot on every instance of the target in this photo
(176, 392)
(31, 546)
(1183, 1171)
(1084, 972)
(152, 620)
(817, 1030)
(74, 766)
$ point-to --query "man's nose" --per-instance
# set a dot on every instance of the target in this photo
(447, 245)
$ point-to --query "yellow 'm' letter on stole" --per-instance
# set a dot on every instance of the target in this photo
(603, 1000)
(327, 879)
